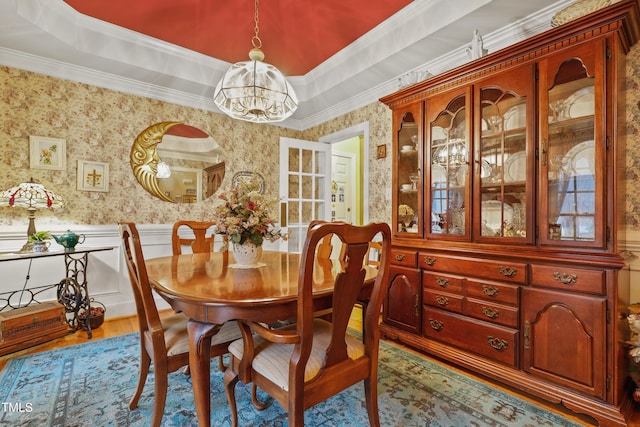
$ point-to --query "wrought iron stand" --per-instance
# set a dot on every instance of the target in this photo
(72, 291)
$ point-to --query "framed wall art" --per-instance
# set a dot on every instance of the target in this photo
(93, 176)
(47, 153)
(381, 151)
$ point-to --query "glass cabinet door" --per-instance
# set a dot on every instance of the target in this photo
(504, 158)
(447, 184)
(407, 195)
(572, 158)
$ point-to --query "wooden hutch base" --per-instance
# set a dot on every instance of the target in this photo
(605, 414)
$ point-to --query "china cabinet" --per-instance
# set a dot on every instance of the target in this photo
(508, 180)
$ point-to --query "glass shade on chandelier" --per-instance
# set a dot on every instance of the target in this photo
(255, 91)
(32, 196)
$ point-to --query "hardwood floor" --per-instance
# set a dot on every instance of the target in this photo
(126, 325)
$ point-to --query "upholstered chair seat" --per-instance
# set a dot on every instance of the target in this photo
(273, 361)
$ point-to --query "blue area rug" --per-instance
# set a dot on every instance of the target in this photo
(91, 384)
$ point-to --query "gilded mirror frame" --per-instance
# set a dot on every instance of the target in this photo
(145, 157)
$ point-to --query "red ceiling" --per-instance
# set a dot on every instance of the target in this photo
(297, 35)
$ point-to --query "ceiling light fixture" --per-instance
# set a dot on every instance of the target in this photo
(254, 90)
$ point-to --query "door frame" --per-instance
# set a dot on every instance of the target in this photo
(353, 194)
(361, 129)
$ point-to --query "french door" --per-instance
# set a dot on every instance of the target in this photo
(305, 186)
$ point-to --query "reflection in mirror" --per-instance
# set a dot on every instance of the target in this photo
(177, 163)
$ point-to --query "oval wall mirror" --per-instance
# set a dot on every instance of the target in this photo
(177, 163)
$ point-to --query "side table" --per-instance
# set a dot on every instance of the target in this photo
(72, 290)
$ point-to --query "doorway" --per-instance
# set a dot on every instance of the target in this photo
(306, 181)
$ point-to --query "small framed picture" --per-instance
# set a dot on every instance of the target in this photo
(382, 151)
(47, 153)
(93, 176)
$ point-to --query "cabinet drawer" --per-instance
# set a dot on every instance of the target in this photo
(442, 282)
(492, 341)
(494, 270)
(495, 313)
(443, 300)
(402, 257)
(492, 291)
(568, 278)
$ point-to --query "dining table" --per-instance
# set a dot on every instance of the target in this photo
(211, 289)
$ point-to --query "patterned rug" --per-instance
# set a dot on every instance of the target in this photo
(91, 384)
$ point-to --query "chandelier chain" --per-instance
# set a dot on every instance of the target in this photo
(255, 40)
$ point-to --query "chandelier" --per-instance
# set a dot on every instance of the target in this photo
(254, 90)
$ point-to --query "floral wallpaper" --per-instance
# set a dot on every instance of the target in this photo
(632, 205)
(100, 125)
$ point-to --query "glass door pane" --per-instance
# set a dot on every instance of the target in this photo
(571, 157)
(304, 188)
(408, 174)
(503, 164)
(449, 169)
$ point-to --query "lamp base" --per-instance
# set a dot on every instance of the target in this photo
(27, 247)
(32, 221)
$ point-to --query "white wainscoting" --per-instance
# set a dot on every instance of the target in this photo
(107, 277)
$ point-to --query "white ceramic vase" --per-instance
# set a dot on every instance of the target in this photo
(247, 254)
(41, 246)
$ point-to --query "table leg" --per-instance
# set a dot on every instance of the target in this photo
(75, 286)
(199, 363)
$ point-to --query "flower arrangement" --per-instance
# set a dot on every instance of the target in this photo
(244, 215)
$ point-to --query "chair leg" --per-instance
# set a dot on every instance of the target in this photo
(295, 414)
(145, 363)
(221, 366)
(371, 398)
(230, 381)
(254, 398)
(160, 398)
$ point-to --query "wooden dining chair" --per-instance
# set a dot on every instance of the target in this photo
(305, 363)
(203, 240)
(163, 342)
(325, 249)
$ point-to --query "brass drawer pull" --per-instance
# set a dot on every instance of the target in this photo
(566, 279)
(508, 271)
(443, 301)
(436, 324)
(497, 343)
(491, 313)
(490, 291)
(399, 257)
(442, 281)
(430, 261)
